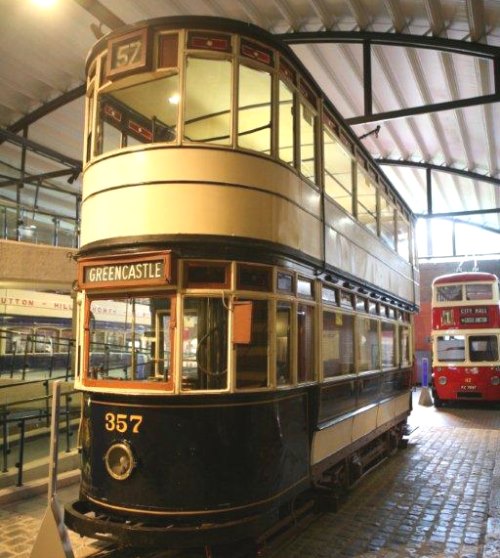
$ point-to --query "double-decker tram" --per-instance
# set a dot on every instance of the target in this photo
(266, 272)
(465, 337)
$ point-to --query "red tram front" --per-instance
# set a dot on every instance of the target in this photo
(466, 336)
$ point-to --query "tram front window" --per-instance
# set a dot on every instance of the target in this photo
(144, 113)
(204, 344)
(129, 339)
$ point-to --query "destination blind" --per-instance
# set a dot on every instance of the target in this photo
(125, 272)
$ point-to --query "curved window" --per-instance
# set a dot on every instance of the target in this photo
(284, 343)
(285, 129)
(305, 341)
(254, 110)
(252, 358)
(207, 116)
(143, 113)
(307, 142)
(204, 344)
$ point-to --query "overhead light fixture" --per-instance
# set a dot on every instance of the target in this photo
(174, 99)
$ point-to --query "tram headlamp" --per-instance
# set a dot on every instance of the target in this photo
(443, 380)
(119, 461)
(495, 380)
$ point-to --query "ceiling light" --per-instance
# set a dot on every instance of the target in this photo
(174, 99)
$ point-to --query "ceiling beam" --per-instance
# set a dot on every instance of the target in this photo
(433, 107)
(440, 168)
(40, 149)
(103, 14)
(392, 39)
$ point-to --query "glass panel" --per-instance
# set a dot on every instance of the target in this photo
(129, 339)
(208, 117)
(252, 358)
(283, 343)
(387, 222)
(479, 291)
(45, 340)
(337, 399)
(368, 344)
(338, 171)
(143, 113)
(404, 236)
(254, 110)
(449, 293)
(369, 390)
(483, 348)
(388, 344)
(451, 348)
(285, 130)
(338, 344)
(404, 346)
(307, 143)
(306, 361)
(204, 344)
(366, 201)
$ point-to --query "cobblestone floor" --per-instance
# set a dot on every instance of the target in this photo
(428, 501)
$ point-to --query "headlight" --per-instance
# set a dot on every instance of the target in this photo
(495, 380)
(442, 380)
(119, 461)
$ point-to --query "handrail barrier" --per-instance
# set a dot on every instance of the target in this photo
(25, 416)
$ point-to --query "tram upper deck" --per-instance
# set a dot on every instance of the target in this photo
(210, 132)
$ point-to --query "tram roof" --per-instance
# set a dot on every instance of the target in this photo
(473, 277)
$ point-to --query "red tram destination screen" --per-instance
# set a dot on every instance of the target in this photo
(110, 273)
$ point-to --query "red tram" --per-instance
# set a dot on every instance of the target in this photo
(465, 337)
(274, 268)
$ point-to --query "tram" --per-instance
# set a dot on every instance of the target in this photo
(223, 194)
(465, 338)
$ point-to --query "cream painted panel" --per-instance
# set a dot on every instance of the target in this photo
(364, 423)
(186, 164)
(330, 440)
(169, 209)
(393, 408)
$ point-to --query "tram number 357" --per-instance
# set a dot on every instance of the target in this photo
(121, 422)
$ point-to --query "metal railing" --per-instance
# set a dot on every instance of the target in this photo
(24, 424)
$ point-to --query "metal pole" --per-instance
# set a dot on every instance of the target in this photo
(54, 440)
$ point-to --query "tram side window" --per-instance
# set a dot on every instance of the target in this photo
(307, 142)
(404, 346)
(285, 130)
(143, 113)
(305, 343)
(403, 237)
(204, 344)
(368, 344)
(366, 201)
(388, 344)
(387, 230)
(450, 348)
(337, 171)
(483, 348)
(132, 342)
(207, 116)
(252, 358)
(283, 343)
(254, 110)
(338, 344)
